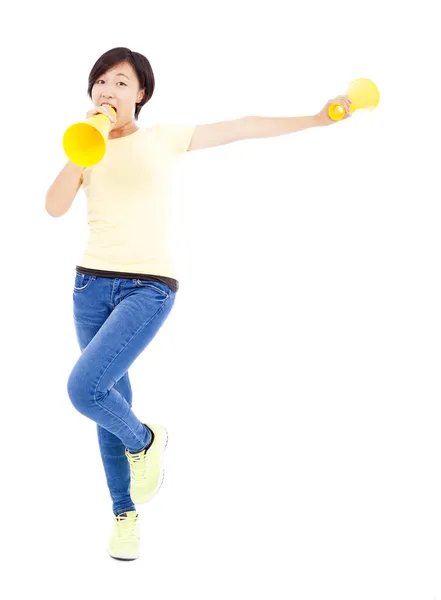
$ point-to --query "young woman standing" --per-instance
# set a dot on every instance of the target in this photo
(125, 285)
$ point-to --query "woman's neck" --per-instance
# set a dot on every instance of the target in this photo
(127, 129)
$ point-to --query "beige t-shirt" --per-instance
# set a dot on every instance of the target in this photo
(127, 199)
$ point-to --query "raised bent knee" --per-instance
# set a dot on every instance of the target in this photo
(79, 390)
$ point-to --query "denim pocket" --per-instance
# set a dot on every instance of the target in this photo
(83, 281)
(146, 283)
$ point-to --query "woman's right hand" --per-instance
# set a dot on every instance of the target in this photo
(105, 110)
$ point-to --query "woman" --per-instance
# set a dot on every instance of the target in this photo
(125, 285)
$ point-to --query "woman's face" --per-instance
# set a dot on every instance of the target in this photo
(119, 87)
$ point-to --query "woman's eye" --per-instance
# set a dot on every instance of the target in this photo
(99, 80)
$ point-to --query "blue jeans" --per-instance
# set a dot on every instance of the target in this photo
(115, 319)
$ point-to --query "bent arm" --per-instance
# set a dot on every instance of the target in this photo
(63, 190)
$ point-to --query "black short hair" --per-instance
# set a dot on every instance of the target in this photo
(140, 64)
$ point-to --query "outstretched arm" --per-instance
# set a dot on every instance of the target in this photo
(245, 128)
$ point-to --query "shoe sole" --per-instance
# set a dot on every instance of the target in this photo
(162, 466)
(124, 557)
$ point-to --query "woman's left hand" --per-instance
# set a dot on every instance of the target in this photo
(323, 117)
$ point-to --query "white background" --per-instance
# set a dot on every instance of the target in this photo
(298, 374)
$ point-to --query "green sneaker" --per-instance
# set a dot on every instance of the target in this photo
(124, 542)
(146, 466)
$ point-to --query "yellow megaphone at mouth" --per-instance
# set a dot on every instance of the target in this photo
(363, 93)
(85, 142)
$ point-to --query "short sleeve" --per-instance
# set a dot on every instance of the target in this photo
(177, 137)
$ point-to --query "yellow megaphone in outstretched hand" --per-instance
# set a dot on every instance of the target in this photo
(85, 142)
(363, 93)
